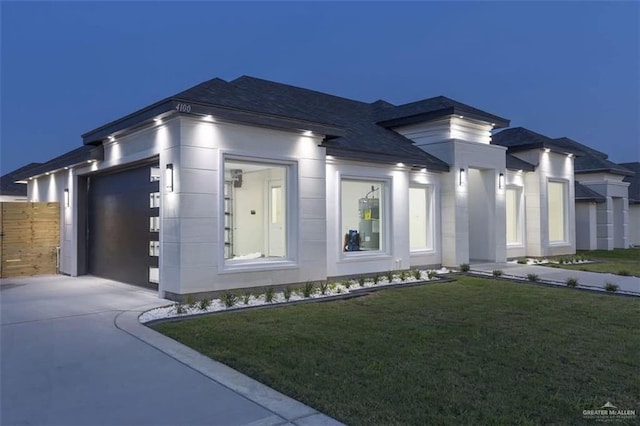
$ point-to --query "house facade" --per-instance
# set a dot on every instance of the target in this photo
(252, 183)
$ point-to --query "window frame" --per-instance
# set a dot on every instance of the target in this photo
(565, 212)
(385, 217)
(519, 215)
(430, 212)
(290, 261)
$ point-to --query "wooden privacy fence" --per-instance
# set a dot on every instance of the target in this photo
(30, 236)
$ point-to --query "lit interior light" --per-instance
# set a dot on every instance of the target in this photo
(501, 180)
(462, 177)
(66, 197)
(168, 178)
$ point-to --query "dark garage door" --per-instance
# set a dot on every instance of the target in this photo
(123, 224)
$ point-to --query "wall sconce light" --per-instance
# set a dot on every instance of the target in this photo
(501, 180)
(462, 177)
(168, 177)
(66, 197)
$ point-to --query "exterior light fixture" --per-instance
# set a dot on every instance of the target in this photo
(547, 150)
(462, 177)
(423, 170)
(158, 120)
(112, 138)
(66, 197)
(329, 157)
(168, 177)
(400, 164)
(520, 171)
(570, 155)
(501, 180)
(307, 133)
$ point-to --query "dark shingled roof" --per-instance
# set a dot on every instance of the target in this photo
(634, 187)
(515, 163)
(8, 185)
(588, 160)
(351, 127)
(428, 109)
(582, 193)
(521, 139)
(71, 158)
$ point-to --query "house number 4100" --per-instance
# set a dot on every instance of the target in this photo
(183, 108)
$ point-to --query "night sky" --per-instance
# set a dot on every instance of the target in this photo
(559, 68)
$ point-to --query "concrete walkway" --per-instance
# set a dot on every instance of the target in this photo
(558, 276)
(74, 353)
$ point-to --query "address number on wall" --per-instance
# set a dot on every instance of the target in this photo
(183, 108)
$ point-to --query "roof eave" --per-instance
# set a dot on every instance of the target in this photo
(379, 158)
(497, 122)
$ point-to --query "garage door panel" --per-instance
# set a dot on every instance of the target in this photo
(118, 225)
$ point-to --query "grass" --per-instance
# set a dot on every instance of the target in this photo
(616, 261)
(476, 351)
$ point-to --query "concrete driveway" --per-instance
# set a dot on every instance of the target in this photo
(67, 358)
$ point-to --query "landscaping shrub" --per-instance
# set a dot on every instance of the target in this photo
(269, 294)
(180, 309)
(191, 301)
(390, 276)
(229, 299)
(403, 276)
(287, 293)
(246, 297)
(624, 273)
(611, 287)
(417, 274)
(323, 287)
(361, 280)
(497, 272)
(376, 278)
(465, 267)
(308, 289)
(532, 277)
(572, 282)
(522, 261)
(431, 274)
(204, 304)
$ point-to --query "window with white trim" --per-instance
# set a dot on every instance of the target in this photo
(362, 214)
(513, 215)
(557, 211)
(420, 222)
(255, 211)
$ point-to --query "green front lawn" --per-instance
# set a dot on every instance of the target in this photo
(475, 351)
(617, 261)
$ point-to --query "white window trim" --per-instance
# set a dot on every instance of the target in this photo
(431, 242)
(386, 237)
(520, 218)
(292, 233)
(565, 198)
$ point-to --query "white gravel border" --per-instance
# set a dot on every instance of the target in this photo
(334, 289)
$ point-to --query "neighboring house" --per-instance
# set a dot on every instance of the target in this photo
(11, 188)
(601, 196)
(634, 202)
(251, 183)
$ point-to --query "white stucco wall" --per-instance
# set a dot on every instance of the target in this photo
(192, 258)
(550, 167)
(634, 224)
(612, 216)
(394, 253)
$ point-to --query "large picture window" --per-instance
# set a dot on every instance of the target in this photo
(362, 215)
(255, 210)
(557, 211)
(513, 216)
(419, 218)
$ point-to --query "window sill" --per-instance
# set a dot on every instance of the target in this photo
(420, 252)
(231, 267)
(515, 245)
(364, 256)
